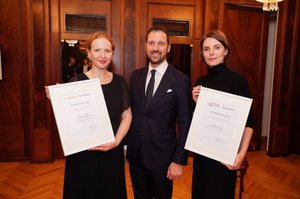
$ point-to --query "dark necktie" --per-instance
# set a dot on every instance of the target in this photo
(150, 87)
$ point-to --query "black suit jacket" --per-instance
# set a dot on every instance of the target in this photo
(153, 129)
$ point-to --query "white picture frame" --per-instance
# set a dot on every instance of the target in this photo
(81, 115)
(218, 124)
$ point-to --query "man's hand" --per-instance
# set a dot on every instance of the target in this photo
(175, 171)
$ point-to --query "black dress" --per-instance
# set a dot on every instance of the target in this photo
(95, 174)
(211, 179)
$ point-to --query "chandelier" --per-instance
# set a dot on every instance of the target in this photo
(269, 5)
(71, 42)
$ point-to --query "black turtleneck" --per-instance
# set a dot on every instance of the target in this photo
(221, 78)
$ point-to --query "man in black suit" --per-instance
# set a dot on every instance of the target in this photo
(155, 150)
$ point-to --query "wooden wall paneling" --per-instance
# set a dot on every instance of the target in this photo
(295, 128)
(211, 14)
(118, 33)
(198, 19)
(15, 115)
(288, 76)
(197, 67)
(207, 18)
(248, 52)
(12, 144)
(85, 7)
(39, 32)
(41, 138)
(173, 12)
(174, 2)
(140, 33)
(27, 73)
(281, 113)
(53, 73)
(129, 41)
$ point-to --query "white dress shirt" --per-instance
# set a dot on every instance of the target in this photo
(160, 71)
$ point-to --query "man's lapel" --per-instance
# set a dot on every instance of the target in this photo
(164, 87)
(141, 85)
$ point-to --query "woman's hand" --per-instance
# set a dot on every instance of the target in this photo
(195, 93)
(126, 118)
(47, 92)
(105, 147)
(237, 163)
(247, 134)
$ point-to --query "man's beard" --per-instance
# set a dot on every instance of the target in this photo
(156, 61)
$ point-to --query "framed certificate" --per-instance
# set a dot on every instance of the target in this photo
(81, 115)
(218, 124)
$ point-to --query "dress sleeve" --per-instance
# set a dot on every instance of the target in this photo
(125, 93)
(245, 91)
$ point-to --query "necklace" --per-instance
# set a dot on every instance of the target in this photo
(103, 77)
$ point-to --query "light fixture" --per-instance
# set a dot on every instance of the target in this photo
(71, 42)
(269, 5)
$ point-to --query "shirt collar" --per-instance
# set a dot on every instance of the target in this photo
(161, 69)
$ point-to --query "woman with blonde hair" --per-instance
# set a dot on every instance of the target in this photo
(99, 172)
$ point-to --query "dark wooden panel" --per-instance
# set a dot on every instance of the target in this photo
(40, 137)
(12, 145)
(39, 63)
(246, 29)
(295, 129)
(116, 23)
(180, 57)
(41, 146)
(10, 86)
(282, 109)
(129, 41)
(53, 74)
(84, 7)
(173, 12)
(27, 71)
(198, 69)
(211, 15)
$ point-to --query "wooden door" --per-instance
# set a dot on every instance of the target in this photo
(247, 31)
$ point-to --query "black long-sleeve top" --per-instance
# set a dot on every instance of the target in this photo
(222, 78)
